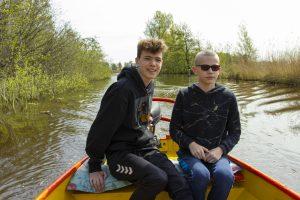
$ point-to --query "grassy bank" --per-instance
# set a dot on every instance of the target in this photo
(31, 83)
(280, 68)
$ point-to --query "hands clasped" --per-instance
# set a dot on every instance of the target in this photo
(202, 153)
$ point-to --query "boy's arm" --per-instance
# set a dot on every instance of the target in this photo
(176, 124)
(233, 128)
(110, 116)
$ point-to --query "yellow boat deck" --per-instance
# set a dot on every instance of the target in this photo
(250, 189)
(236, 193)
(255, 185)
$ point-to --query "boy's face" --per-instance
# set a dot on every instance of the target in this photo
(209, 76)
(149, 65)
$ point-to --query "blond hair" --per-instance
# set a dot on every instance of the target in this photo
(203, 53)
(151, 45)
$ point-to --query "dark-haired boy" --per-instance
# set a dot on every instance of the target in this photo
(120, 132)
(206, 125)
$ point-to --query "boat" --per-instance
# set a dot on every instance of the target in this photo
(250, 183)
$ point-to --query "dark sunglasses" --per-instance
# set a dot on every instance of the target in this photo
(206, 67)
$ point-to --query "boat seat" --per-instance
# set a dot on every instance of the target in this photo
(80, 179)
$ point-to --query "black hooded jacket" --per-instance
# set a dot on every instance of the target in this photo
(210, 119)
(121, 123)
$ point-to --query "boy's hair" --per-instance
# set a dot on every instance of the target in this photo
(205, 53)
(151, 45)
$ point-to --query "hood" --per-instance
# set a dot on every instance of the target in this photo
(217, 89)
(131, 72)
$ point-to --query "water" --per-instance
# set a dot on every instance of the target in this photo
(50, 136)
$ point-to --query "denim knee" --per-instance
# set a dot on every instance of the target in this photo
(224, 176)
(202, 176)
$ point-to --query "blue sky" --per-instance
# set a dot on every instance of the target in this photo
(118, 25)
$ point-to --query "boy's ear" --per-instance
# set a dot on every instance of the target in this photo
(194, 69)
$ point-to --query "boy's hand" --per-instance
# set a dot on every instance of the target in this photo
(97, 180)
(214, 155)
(198, 151)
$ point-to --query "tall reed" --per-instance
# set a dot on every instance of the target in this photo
(278, 68)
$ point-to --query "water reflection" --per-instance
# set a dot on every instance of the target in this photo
(44, 144)
(50, 138)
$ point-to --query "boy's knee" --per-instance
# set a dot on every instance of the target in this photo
(224, 176)
(161, 180)
(177, 183)
(202, 176)
(156, 177)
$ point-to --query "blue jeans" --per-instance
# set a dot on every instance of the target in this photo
(199, 174)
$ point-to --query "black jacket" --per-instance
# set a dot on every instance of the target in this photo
(210, 119)
(121, 123)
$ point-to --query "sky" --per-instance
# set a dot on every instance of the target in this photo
(273, 25)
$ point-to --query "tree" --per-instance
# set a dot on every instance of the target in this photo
(246, 49)
(183, 47)
(159, 25)
(26, 28)
(28, 37)
(189, 44)
(113, 67)
(119, 66)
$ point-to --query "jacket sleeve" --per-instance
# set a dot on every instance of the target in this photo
(110, 116)
(176, 124)
(233, 128)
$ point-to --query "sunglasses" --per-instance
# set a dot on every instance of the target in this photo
(206, 67)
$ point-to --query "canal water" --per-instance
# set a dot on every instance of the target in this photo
(46, 138)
